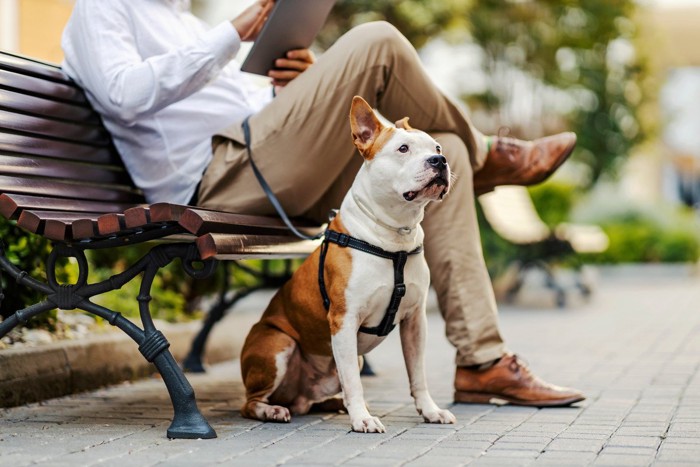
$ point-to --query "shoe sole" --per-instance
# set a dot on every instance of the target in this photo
(464, 397)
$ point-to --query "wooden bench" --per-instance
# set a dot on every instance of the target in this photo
(61, 177)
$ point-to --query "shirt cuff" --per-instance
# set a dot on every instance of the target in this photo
(224, 42)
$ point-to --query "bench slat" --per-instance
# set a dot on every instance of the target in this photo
(16, 102)
(201, 221)
(166, 212)
(137, 216)
(11, 205)
(35, 221)
(30, 85)
(39, 146)
(12, 165)
(33, 67)
(233, 247)
(51, 188)
(109, 224)
(71, 132)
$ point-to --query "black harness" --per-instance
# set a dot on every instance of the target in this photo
(345, 241)
(398, 258)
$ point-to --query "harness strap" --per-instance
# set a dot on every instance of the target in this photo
(398, 259)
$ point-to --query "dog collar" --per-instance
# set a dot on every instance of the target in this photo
(400, 230)
(399, 259)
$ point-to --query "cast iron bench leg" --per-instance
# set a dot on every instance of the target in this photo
(266, 279)
(188, 422)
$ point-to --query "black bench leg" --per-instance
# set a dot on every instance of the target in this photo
(266, 279)
(188, 422)
(193, 361)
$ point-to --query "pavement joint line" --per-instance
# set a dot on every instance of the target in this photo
(428, 448)
(300, 453)
(678, 400)
(271, 442)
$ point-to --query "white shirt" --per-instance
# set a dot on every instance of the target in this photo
(164, 83)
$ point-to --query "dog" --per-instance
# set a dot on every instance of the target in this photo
(349, 293)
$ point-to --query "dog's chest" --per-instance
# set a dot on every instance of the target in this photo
(370, 287)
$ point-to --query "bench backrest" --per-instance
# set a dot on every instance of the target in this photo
(61, 177)
(55, 153)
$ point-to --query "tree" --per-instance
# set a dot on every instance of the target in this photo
(584, 48)
(574, 60)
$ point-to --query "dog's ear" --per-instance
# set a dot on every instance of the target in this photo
(364, 124)
(403, 124)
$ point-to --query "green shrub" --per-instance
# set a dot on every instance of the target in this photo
(28, 253)
(554, 201)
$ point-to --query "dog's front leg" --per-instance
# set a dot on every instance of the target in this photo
(344, 343)
(413, 331)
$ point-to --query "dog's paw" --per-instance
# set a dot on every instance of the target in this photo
(368, 425)
(276, 413)
(439, 416)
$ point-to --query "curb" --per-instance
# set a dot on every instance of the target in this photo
(32, 374)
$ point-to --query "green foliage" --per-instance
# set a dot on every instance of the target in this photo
(583, 47)
(637, 236)
(27, 252)
(418, 20)
(554, 201)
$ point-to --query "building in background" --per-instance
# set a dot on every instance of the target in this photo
(34, 27)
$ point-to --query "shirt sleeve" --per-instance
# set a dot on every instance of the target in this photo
(101, 51)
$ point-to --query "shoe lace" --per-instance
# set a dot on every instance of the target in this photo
(504, 142)
(517, 363)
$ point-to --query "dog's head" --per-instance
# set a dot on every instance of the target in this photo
(406, 163)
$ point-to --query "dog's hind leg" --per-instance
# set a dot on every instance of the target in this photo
(265, 361)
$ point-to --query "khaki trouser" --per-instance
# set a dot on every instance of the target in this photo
(302, 144)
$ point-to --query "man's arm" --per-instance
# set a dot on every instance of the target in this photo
(101, 52)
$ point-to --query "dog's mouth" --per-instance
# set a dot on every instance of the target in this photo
(436, 188)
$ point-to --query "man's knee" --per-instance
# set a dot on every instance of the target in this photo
(457, 155)
(378, 35)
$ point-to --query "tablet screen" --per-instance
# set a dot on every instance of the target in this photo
(292, 24)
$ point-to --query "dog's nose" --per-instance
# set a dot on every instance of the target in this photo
(439, 162)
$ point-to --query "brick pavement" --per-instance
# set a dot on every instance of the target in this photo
(634, 349)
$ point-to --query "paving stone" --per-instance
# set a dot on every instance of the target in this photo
(615, 460)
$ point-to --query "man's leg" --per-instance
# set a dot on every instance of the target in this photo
(457, 268)
(485, 372)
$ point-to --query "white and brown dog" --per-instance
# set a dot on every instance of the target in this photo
(304, 350)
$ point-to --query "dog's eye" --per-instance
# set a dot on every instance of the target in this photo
(438, 149)
(403, 148)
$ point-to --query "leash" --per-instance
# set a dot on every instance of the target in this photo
(268, 191)
(398, 258)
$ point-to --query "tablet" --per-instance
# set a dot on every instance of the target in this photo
(292, 24)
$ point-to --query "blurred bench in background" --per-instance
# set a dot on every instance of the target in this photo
(509, 210)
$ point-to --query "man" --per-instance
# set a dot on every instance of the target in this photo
(173, 98)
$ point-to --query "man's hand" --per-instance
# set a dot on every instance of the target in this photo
(295, 63)
(250, 22)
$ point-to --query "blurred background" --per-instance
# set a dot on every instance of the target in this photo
(623, 74)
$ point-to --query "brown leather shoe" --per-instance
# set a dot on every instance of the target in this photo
(516, 162)
(510, 380)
